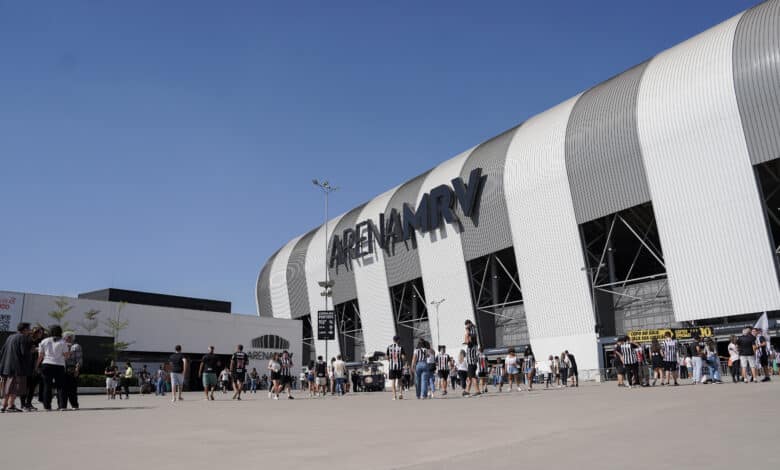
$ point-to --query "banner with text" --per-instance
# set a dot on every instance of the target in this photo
(646, 336)
(10, 310)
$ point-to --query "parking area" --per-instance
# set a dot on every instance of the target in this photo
(703, 426)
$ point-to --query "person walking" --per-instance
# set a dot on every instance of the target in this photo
(238, 364)
(208, 373)
(669, 354)
(498, 374)
(51, 361)
(73, 365)
(512, 369)
(574, 373)
(275, 367)
(254, 377)
(15, 367)
(529, 366)
(483, 369)
(733, 363)
(472, 358)
(159, 381)
(713, 360)
(564, 366)
(179, 367)
(443, 362)
(321, 376)
(127, 378)
(747, 357)
(286, 373)
(762, 353)
(656, 361)
(421, 370)
(462, 368)
(395, 366)
(699, 357)
(34, 379)
(340, 375)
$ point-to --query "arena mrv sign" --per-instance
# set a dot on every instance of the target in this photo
(434, 206)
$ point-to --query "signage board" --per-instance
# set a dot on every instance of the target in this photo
(10, 310)
(646, 336)
(326, 325)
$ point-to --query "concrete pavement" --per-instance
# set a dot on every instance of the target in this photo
(703, 426)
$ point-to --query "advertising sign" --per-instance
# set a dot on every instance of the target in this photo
(10, 310)
(326, 325)
(646, 336)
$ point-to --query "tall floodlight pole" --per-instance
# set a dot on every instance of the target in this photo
(327, 285)
(437, 303)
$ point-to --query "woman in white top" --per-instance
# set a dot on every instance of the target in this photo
(512, 369)
(734, 359)
(51, 361)
(463, 367)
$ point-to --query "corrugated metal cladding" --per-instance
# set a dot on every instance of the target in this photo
(343, 275)
(757, 79)
(603, 155)
(296, 277)
(489, 231)
(264, 308)
(402, 263)
(706, 202)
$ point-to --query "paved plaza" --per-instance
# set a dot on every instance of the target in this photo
(705, 426)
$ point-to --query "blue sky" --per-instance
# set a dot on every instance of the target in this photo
(169, 146)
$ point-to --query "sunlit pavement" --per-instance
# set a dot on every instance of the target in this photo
(703, 426)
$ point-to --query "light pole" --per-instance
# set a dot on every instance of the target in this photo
(436, 304)
(327, 284)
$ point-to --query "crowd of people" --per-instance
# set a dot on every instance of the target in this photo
(50, 362)
(668, 361)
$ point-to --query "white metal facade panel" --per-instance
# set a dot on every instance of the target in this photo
(315, 272)
(705, 196)
(544, 229)
(443, 267)
(376, 308)
(280, 301)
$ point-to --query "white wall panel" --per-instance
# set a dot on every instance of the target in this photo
(546, 237)
(280, 300)
(315, 272)
(376, 309)
(443, 267)
(705, 197)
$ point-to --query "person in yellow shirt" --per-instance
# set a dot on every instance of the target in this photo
(127, 377)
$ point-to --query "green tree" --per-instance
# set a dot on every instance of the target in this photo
(91, 321)
(114, 327)
(63, 307)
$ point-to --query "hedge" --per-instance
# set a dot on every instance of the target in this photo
(95, 380)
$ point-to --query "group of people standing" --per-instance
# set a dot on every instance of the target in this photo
(49, 359)
(472, 368)
(668, 360)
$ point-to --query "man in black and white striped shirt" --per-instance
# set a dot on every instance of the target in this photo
(669, 353)
(443, 362)
(626, 351)
(395, 359)
(470, 340)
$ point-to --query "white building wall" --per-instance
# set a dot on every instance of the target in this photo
(280, 300)
(315, 272)
(443, 267)
(159, 329)
(705, 197)
(376, 309)
(547, 241)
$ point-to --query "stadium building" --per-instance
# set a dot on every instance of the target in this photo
(648, 201)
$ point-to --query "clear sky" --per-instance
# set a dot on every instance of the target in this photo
(169, 146)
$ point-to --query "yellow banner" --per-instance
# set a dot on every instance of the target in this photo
(646, 336)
